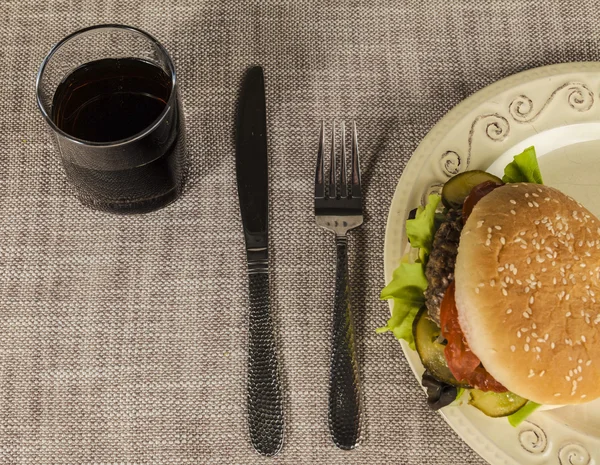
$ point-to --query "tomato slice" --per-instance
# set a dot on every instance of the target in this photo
(464, 364)
(476, 194)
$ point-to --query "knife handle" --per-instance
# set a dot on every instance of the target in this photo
(265, 410)
(344, 387)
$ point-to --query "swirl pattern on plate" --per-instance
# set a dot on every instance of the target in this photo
(532, 438)
(578, 95)
(574, 454)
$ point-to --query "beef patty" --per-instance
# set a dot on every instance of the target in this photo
(440, 267)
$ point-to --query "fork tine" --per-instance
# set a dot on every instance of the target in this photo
(343, 187)
(332, 167)
(319, 181)
(355, 176)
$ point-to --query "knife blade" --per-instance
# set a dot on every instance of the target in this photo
(265, 409)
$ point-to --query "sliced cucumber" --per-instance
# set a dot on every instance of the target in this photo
(426, 334)
(456, 190)
(496, 404)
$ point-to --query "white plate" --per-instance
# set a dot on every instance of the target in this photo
(556, 109)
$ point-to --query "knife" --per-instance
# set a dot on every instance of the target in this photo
(265, 410)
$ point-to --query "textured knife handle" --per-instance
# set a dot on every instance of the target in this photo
(265, 411)
(344, 388)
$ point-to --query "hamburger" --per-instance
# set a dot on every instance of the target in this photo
(501, 297)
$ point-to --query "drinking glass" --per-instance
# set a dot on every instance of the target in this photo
(109, 95)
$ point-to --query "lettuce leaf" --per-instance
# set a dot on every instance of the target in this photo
(421, 230)
(524, 168)
(520, 415)
(408, 282)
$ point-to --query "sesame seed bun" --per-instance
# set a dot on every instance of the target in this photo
(528, 292)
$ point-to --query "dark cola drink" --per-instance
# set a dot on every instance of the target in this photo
(123, 138)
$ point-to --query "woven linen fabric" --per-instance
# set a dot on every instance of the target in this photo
(123, 339)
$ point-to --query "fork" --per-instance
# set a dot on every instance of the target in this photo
(339, 209)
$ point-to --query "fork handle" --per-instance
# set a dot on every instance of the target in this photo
(344, 384)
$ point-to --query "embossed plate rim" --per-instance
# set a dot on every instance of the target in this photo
(534, 436)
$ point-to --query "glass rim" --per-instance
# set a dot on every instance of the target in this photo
(134, 137)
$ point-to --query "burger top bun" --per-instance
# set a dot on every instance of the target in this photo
(528, 292)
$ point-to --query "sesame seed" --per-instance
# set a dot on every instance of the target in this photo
(502, 241)
(488, 242)
(476, 290)
(513, 348)
(528, 260)
(568, 378)
(552, 345)
(557, 394)
(498, 227)
(531, 300)
(512, 212)
(531, 375)
(526, 195)
(526, 347)
(580, 378)
(492, 282)
(536, 204)
(583, 396)
(570, 372)
(514, 202)
(500, 269)
(479, 224)
(538, 349)
(542, 372)
(525, 315)
(582, 338)
(489, 230)
(580, 361)
(509, 311)
(519, 334)
(568, 314)
(588, 363)
(504, 292)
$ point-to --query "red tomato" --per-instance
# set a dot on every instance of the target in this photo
(476, 194)
(464, 364)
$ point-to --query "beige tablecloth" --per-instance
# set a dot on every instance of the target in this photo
(122, 339)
